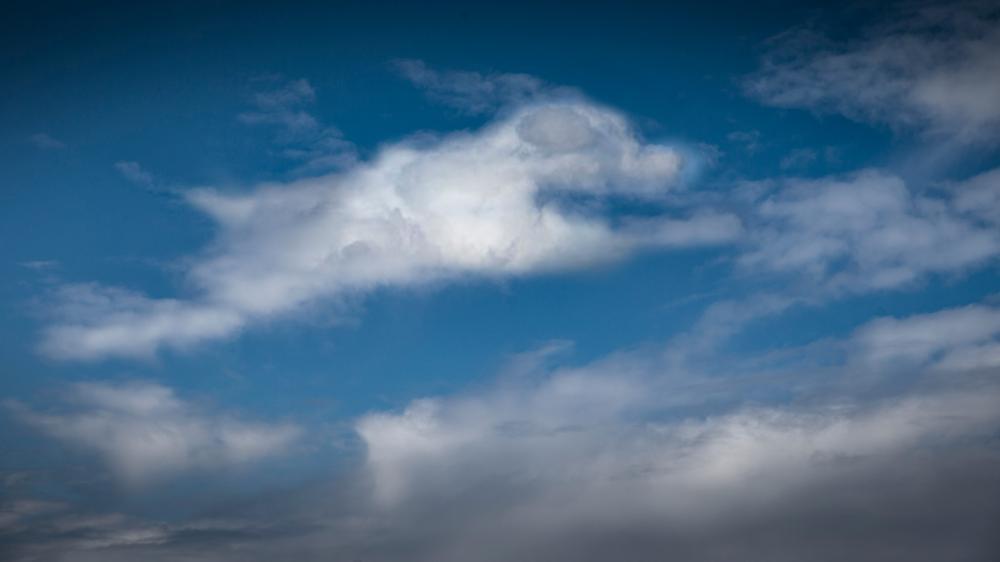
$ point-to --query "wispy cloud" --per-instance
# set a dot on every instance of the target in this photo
(933, 69)
(135, 173)
(144, 432)
(474, 92)
(302, 136)
(46, 142)
(865, 231)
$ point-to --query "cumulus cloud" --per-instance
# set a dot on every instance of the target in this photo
(472, 92)
(934, 68)
(490, 203)
(865, 231)
(145, 433)
(600, 460)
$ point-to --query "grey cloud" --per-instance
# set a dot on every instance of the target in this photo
(144, 433)
(600, 462)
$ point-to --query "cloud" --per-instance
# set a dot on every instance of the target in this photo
(865, 231)
(473, 92)
(933, 69)
(585, 462)
(282, 106)
(955, 339)
(749, 140)
(610, 460)
(798, 158)
(486, 204)
(302, 136)
(145, 433)
(980, 196)
(46, 142)
(135, 173)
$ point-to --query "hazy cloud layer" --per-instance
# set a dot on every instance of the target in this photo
(933, 68)
(488, 203)
(607, 460)
(144, 433)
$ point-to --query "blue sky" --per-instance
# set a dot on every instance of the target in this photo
(490, 282)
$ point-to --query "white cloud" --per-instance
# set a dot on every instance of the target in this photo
(953, 339)
(145, 433)
(865, 231)
(580, 458)
(607, 445)
(487, 203)
(935, 69)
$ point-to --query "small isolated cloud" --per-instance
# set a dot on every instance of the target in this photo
(135, 173)
(144, 432)
(486, 204)
(865, 231)
(46, 142)
(934, 69)
(472, 92)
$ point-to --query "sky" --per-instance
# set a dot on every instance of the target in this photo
(438, 281)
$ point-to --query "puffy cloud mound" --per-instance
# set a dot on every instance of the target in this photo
(486, 203)
(596, 462)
